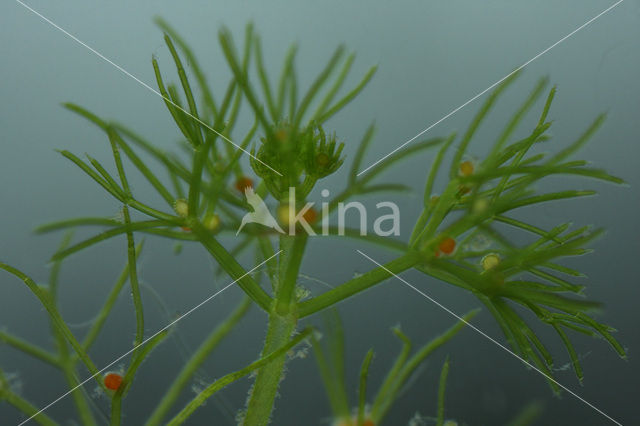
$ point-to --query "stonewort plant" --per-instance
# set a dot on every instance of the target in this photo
(294, 149)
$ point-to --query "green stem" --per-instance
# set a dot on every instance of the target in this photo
(133, 279)
(199, 159)
(290, 266)
(267, 251)
(139, 356)
(67, 365)
(101, 318)
(232, 267)
(266, 385)
(79, 396)
(419, 226)
(66, 361)
(356, 285)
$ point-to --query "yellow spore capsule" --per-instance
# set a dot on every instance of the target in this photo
(211, 222)
(181, 207)
(466, 168)
(283, 215)
(490, 261)
(286, 212)
(480, 206)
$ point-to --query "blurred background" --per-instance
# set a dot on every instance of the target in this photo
(432, 57)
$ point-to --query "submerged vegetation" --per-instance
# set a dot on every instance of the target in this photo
(203, 199)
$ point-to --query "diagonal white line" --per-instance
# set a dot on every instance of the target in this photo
(493, 85)
(142, 83)
(492, 340)
(190, 311)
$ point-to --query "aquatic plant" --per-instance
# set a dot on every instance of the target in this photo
(203, 198)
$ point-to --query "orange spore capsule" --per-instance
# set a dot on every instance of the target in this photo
(368, 422)
(466, 168)
(447, 246)
(243, 183)
(112, 381)
(310, 216)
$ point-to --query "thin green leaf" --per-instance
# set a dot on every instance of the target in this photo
(556, 280)
(362, 388)
(527, 227)
(146, 172)
(72, 223)
(475, 123)
(172, 104)
(528, 415)
(316, 85)
(435, 167)
(543, 198)
(575, 361)
(28, 348)
(182, 75)
(264, 80)
(337, 397)
(136, 226)
(334, 89)
(584, 137)
(115, 192)
(389, 380)
(518, 116)
(604, 332)
(348, 97)
(229, 51)
(284, 79)
(563, 269)
(441, 392)
(397, 156)
(362, 148)
(191, 59)
(105, 175)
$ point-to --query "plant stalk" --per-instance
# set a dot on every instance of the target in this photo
(265, 388)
